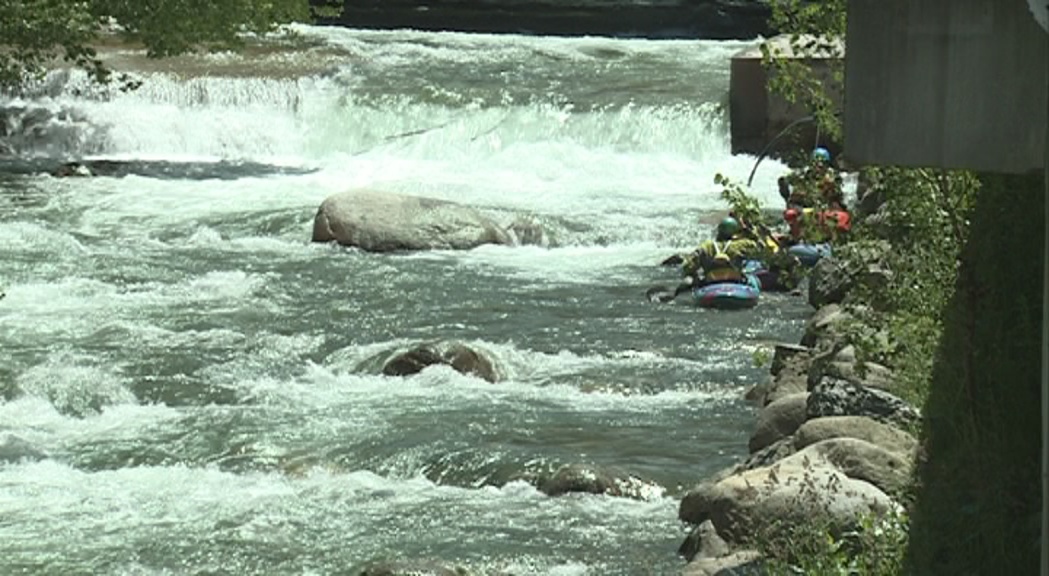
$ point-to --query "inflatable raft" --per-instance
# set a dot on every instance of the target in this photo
(768, 280)
(729, 295)
(809, 254)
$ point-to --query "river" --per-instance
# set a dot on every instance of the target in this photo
(190, 386)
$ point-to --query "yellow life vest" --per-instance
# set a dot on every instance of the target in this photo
(722, 269)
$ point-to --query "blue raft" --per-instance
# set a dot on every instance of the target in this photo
(768, 280)
(729, 295)
(809, 254)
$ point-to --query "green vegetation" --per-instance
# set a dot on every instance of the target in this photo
(874, 548)
(815, 29)
(34, 34)
(977, 492)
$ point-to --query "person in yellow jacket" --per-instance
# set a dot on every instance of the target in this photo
(721, 259)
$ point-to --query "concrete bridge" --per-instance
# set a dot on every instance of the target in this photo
(708, 19)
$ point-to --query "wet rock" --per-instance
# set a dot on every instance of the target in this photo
(385, 222)
(14, 449)
(71, 169)
(703, 542)
(413, 568)
(526, 231)
(591, 479)
(459, 356)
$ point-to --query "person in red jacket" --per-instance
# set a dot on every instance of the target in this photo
(829, 225)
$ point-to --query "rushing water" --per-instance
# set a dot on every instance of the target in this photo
(190, 386)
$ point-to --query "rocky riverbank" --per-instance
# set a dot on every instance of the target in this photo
(710, 19)
(833, 445)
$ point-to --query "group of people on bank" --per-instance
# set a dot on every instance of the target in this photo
(815, 214)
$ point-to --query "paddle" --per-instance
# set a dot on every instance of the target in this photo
(674, 260)
(662, 294)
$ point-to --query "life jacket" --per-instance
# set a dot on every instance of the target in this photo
(797, 219)
(841, 219)
(721, 267)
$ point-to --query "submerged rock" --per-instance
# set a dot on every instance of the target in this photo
(14, 449)
(591, 479)
(527, 231)
(459, 356)
(413, 568)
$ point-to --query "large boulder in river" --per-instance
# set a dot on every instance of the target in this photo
(385, 222)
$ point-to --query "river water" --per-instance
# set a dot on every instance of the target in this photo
(189, 386)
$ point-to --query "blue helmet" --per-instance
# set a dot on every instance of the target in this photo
(821, 153)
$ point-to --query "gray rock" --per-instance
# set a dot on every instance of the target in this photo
(861, 427)
(860, 460)
(793, 379)
(703, 542)
(527, 231)
(837, 397)
(870, 374)
(384, 222)
(786, 355)
(768, 500)
(768, 455)
(740, 563)
(778, 420)
(591, 479)
(824, 326)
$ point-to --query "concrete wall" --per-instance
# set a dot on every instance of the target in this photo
(946, 83)
(714, 19)
(758, 115)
